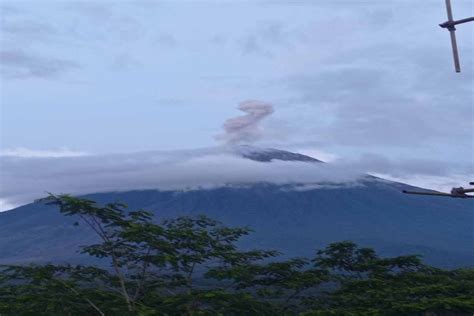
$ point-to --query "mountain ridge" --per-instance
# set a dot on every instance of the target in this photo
(293, 218)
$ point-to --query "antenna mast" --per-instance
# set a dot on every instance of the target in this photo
(450, 26)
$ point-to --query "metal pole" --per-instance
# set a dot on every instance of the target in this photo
(457, 66)
(452, 33)
(450, 11)
(471, 19)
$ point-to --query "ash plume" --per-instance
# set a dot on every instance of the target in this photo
(245, 128)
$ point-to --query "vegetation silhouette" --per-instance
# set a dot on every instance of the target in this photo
(193, 266)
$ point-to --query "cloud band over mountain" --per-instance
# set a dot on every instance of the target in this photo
(27, 178)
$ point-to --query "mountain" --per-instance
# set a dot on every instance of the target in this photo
(295, 219)
(270, 154)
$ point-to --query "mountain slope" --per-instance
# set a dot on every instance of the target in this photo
(270, 154)
(295, 219)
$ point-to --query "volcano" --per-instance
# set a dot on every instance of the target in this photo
(293, 218)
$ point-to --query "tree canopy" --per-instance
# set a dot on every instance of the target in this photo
(193, 266)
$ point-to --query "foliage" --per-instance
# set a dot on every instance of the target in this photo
(192, 266)
(369, 285)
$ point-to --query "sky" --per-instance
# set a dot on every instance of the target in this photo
(366, 83)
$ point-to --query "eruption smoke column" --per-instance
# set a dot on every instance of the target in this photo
(245, 128)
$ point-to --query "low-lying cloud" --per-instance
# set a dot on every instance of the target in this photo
(375, 163)
(27, 178)
(31, 153)
(431, 174)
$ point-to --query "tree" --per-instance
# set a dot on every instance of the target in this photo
(54, 290)
(156, 264)
(192, 266)
(370, 285)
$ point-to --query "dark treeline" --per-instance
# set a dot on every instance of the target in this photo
(192, 266)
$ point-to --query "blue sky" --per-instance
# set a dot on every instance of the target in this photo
(362, 80)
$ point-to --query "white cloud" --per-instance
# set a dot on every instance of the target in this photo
(27, 175)
(27, 178)
(5, 206)
(410, 168)
(32, 153)
(438, 183)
